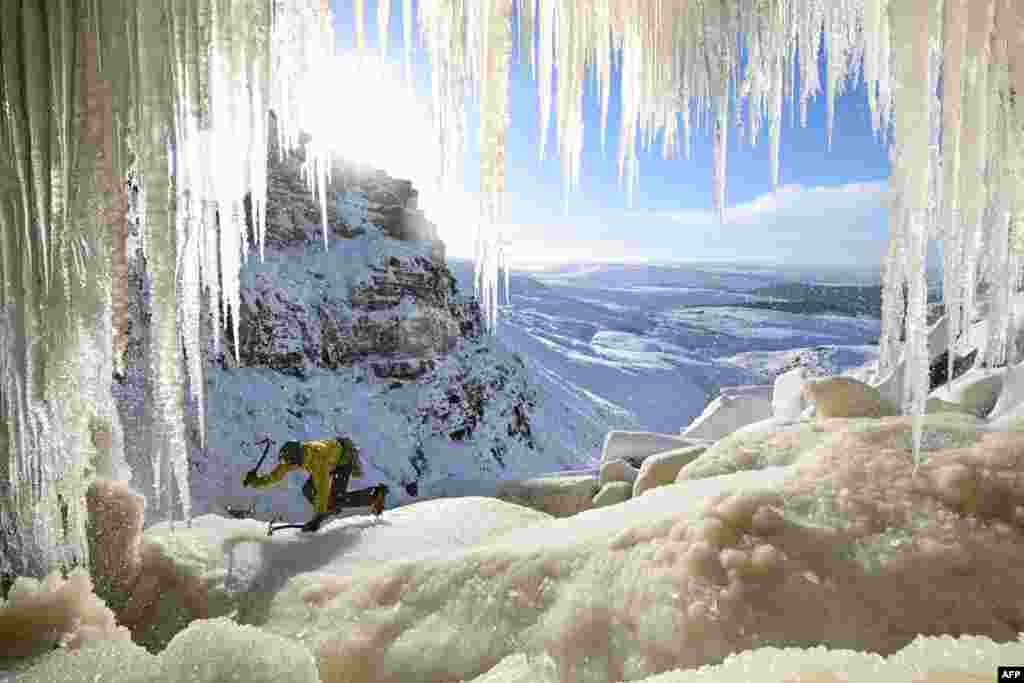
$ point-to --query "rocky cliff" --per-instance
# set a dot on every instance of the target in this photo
(395, 310)
(366, 335)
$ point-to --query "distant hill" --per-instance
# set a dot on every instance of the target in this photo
(809, 299)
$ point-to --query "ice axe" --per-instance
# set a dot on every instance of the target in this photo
(268, 441)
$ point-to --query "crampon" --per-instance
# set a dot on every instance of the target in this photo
(276, 524)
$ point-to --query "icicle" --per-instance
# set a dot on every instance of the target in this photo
(775, 120)
(974, 151)
(358, 14)
(1002, 182)
(494, 58)
(720, 149)
(630, 112)
(545, 54)
(383, 18)
(893, 277)
(508, 289)
(954, 36)
(407, 34)
(155, 169)
(913, 131)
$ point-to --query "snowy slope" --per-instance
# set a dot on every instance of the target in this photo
(650, 346)
(475, 418)
(397, 427)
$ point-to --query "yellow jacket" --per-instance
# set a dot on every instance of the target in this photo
(319, 458)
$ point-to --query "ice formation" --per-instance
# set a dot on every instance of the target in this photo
(188, 117)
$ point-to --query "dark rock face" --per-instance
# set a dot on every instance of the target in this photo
(398, 316)
(294, 218)
(285, 334)
(938, 373)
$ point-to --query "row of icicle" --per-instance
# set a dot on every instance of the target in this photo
(178, 91)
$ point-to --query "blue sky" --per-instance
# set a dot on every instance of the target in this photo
(830, 210)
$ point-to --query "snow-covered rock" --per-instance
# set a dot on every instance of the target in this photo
(389, 300)
(1011, 395)
(937, 405)
(729, 412)
(846, 397)
(40, 615)
(617, 470)
(556, 496)
(205, 652)
(745, 390)
(787, 394)
(661, 468)
(890, 386)
(613, 493)
(768, 443)
(977, 391)
(633, 447)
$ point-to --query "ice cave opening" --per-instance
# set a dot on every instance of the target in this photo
(157, 114)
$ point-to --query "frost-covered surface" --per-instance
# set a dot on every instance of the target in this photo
(863, 553)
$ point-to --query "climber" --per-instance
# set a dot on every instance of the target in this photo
(330, 463)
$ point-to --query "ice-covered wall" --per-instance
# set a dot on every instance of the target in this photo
(178, 93)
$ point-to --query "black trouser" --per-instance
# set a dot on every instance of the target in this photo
(340, 498)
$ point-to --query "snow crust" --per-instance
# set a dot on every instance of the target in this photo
(787, 394)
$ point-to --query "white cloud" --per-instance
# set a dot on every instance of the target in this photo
(842, 224)
(827, 225)
(799, 202)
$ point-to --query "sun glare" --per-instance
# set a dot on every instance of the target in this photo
(362, 110)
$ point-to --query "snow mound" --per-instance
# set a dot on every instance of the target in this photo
(662, 468)
(941, 659)
(561, 496)
(847, 397)
(208, 651)
(39, 615)
(771, 444)
(633, 447)
(762, 444)
(787, 394)
(977, 390)
(729, 412)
